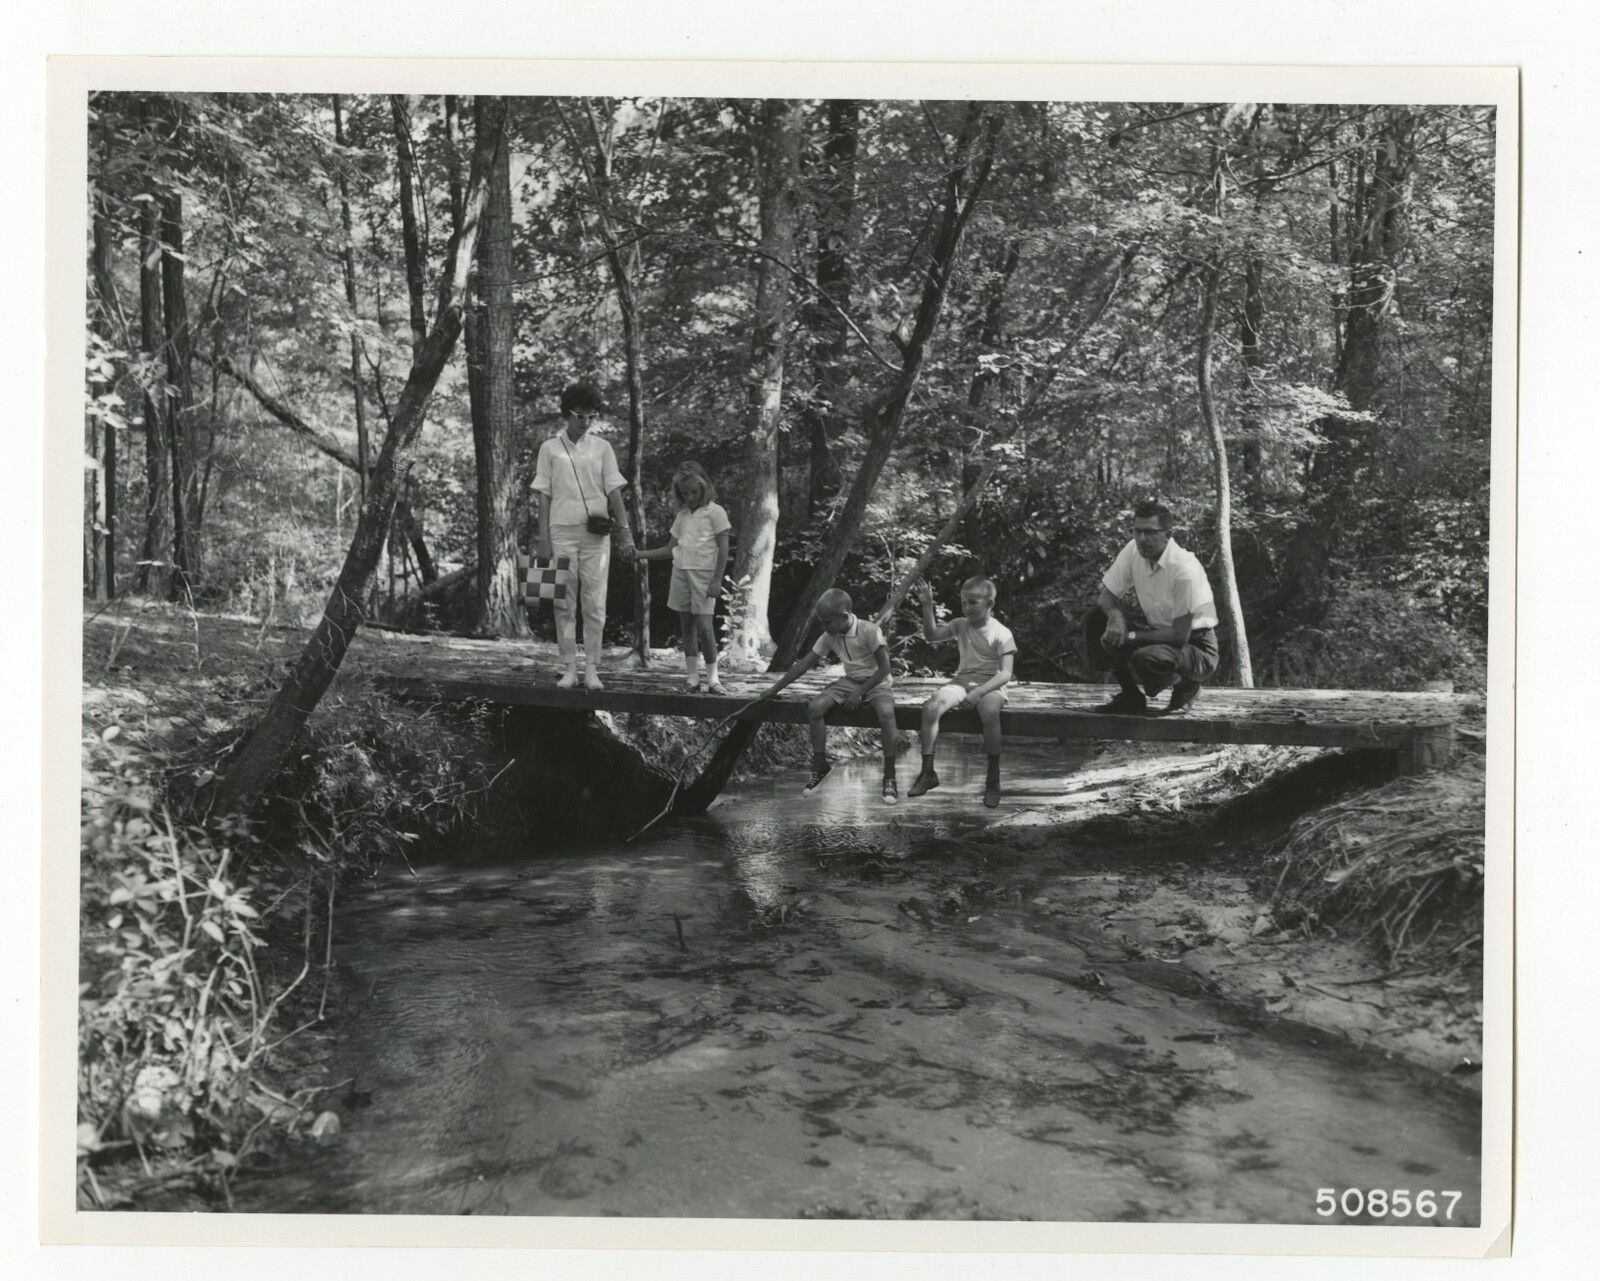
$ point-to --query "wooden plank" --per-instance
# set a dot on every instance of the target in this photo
(454, 669)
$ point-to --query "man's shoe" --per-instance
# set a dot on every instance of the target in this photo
(923, 782)
(1125, 704)
(891, 791)
(1183, 695)
(817, 775)
(991, 795)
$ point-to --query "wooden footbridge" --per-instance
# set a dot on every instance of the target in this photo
(1419, 729)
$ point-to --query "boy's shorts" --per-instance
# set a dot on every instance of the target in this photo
(877, 697)
(966, 684)
(690, 592)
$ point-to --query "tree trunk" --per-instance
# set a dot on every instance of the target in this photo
(1219, 461)
(180, 399)
(270, 741)
(835, 218)
(491, 334)
(405, 165)
(102, 544)
(348, 257)
(1252, 482)
(964, 183)
(779, 166)
(1376, 236)
(624, 271)
(155, 547)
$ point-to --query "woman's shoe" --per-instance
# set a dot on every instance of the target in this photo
(569, 681)
(591, 680)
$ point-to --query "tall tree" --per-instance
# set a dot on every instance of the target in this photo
(347, 258)
(835, 202)
(1376, 233)
(269, 742)
(965, 177)
(1211, 284)
(490, 343)
(778, 172)
(155, 546)
(180, 393)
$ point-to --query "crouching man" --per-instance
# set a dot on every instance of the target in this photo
(1171, 640)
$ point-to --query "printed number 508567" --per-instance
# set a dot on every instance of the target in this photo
(1382, 1203)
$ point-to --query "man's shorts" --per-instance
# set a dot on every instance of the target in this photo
(878, 697)
(966, 684)
(690, 592)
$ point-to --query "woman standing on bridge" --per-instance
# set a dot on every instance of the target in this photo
(580, 505)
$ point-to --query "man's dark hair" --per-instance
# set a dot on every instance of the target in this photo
(1144, 511)
(582, 397)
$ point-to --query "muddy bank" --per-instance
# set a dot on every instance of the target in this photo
(1168, 856)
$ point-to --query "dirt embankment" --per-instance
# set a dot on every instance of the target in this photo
(1287, 879)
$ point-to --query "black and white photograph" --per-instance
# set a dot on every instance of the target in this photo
(813, 646)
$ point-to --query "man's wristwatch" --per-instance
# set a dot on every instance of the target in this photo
(1131, 635)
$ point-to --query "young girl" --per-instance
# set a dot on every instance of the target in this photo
(699, 550)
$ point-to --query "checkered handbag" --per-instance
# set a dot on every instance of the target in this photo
(544, 579)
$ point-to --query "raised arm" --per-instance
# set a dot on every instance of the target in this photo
(932, 628)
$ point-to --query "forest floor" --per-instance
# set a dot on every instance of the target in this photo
(1177, 855)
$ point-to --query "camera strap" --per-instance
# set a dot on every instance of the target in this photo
(576, 474)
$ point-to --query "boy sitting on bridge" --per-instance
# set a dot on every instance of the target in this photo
(859, 645)
(988, 657)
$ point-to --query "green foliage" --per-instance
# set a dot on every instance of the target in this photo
(1378, 639)
(179, 1001)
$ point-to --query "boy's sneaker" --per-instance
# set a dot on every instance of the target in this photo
(817, 775)
(891, 791)
(1125, 704)
(923, 782)
(991, 795)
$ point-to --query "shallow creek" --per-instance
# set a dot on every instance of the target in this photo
(784, 1010)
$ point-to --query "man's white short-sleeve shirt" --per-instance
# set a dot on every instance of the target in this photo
(577, 477)
(1175, 585)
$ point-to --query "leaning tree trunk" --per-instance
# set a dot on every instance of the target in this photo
(1219, 464)
(779, 166)
(964, 183)
(155, 546)
(270, 741)
(835, 218)
(491, 335)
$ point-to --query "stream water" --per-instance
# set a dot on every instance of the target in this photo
(822, 1007)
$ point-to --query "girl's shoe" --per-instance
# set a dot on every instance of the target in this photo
(714, 687)
(693, 684)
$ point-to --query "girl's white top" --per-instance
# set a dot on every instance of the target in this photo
(696, 533)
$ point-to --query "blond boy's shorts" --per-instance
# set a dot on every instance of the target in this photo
(964, 685)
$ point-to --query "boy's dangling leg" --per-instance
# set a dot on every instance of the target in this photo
(989, 717)
(820, 768)
(928, 778)
(891, 735)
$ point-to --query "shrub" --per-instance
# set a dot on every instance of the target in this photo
(1377, 640)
